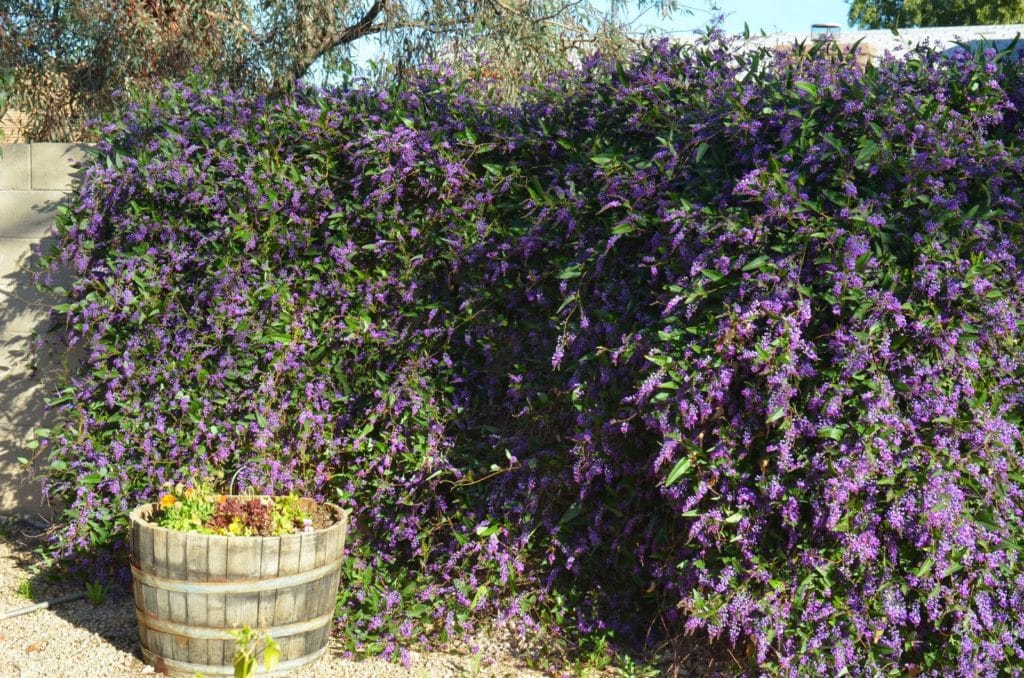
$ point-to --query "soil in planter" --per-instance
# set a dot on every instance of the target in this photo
(322, 516)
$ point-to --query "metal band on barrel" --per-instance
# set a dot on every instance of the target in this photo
(240, 586)
(191, 630)
(191, 669)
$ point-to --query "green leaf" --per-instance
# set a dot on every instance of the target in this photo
(536, 192)
(486, 530)
(952, 569)
(481, 592)
(755, 263)
(702, 148)
(271, 654)
(808, 87)
(987, 520)
(833, 142)
(776, 415)
(244, 665)
(868, 150)
(678, 471)
(925, 568)
(574, 511)
(833, 432)
(602, 159)
(277, 337)
(365, 430)
(573, 271)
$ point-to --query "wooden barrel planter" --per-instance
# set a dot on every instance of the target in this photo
(192, 590)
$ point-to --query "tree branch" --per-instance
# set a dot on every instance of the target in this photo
(328, 41)
(361, 28)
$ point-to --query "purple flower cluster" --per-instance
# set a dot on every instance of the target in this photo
(707, 340)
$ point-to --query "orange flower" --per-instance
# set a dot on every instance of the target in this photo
(221, 499)
(167, 500)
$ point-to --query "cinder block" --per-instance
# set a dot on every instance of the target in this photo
(55, 166)
(28, 214)
(23, 307)
(15, 167)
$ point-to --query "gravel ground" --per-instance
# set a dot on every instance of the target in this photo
(78, 639)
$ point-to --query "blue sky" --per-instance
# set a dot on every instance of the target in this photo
(773, 16)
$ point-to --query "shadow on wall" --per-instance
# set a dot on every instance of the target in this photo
(27, 376)
(34, 180)
(998, 45)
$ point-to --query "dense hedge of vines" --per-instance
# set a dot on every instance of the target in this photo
(707, 340)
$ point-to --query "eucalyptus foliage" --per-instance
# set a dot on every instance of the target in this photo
(73, 57)
(707, 339)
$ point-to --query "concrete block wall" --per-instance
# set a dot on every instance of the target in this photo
(34, 180)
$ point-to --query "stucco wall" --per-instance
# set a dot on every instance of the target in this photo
(34, 180)
(878, 42)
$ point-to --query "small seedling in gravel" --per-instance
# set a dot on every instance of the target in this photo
(26, 590)
(96, 592)
(630, 668)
